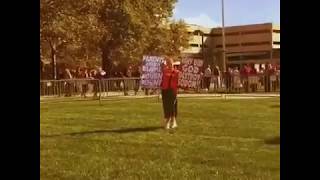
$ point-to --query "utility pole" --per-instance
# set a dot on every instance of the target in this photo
(223, 39)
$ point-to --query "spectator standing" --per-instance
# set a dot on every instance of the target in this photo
(267, 78)
(216, 77)
(129, 82)
(236, 79)
(95, 82)
(207, 77)
(228, 79)
(273, 78)
(84, 75)
(278, 76)
(246, 73)
(68, 76)
(78, 82)
(136, 73)
(101, 74)
(254, 80)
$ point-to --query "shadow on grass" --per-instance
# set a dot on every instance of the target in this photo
(273, 141)
(120, 131)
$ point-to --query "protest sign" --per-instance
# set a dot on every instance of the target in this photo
(151, 71)
(190, 73)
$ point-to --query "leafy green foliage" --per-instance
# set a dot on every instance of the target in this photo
(109, 30)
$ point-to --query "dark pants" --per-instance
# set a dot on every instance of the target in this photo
(85, 88)
(170, 103)
(68, 89)
(95, 88)
(136, 86)
(254, 87)
(274, 86)
(267, 83)
(246, 84)
(228, 82)
(207, 81)
(125, 87)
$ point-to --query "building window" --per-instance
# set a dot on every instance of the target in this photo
(227, 34)
(234, 58)
(255, 43)
(253, 57)
(194, 45)
(216, 35)
(276, 31)
(261, 55)
(227, 45)
(256, 32)
(232, 33)
(276, 43)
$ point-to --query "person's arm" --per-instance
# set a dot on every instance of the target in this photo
(162, 66)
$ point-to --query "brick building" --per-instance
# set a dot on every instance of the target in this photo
(246, 44)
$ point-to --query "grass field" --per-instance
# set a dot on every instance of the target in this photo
(216, 139)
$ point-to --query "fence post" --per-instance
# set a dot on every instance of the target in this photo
(159, 93)
(99, 85)
(59, 88)
(107, 86)
(124, 86)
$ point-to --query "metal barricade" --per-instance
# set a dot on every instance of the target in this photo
(120, 86)
(236, 83)
(68, 87)
(96, 88)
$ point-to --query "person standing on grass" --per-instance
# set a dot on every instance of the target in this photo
(169, 88)
(95, 82)
(84, 75)
(228, 79)
(68, 76)
(207, 77)
(216, 77)
(136, 73)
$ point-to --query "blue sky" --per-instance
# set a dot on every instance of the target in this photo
(237, 12)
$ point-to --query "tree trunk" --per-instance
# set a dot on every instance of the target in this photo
(41, 69)
(54, 60)
(106, 57)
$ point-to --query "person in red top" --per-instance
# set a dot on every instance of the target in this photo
(169, 89)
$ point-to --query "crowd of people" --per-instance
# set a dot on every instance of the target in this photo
(99, 73)
(247, 77)
(84, 75)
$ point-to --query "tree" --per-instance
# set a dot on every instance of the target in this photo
(120, 31)
(138, 27)
(69, 27)
(170, 39)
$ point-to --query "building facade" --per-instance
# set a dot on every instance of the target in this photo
(246, 44)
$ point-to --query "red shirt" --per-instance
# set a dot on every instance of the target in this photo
(166, 74)
(253, 71)
(247, 70)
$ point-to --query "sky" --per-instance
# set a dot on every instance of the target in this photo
(237, 12)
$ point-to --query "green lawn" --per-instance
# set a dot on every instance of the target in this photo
(216, 139)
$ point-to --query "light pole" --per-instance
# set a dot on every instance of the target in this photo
(223, 39)
(202, 49)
